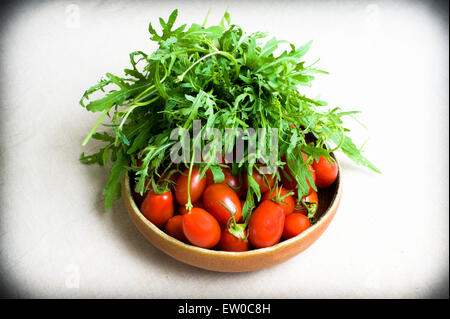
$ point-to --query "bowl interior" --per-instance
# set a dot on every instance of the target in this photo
(328, 201)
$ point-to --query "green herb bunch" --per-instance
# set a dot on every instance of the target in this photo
(225, 78)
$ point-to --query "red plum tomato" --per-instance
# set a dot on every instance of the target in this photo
(201, 228)
(326, 173)
(158, 208)
(229, 242)
(197, 186)
(174, 228)
(295, 224)
(216, 194)
(287, 202)
(266, 224)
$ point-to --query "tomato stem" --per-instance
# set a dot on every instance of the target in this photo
(311, 207)
(278, 198)
(237, 230)
(189, 203)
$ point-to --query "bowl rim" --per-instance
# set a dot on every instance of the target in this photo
(252, 252)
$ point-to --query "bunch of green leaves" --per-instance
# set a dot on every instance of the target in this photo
(226, 79)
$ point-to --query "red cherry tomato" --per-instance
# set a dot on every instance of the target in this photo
(216, 194)
(295, 224)
(266, 224)
(197, 186)
(158, 208)
(311, 198)
(291, 183)
(174, 228)
(201, 228)
(326, 173)
(261, 180)
(229, 242)
(287, 203)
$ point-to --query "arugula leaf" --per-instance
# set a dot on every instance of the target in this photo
(118, 170)
(225, 78)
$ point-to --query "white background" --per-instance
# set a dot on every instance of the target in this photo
(390, 237)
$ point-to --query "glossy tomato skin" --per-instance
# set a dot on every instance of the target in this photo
(295, 224)
(158, 208)
(201, 228)
(310, 198)
(236, 184)
(287, 203)
(326, 173)
(174, 228)
(197, 186)
(266, 224)
(291, 183)
(261, 180)
(230, 180)
(217, 193)
(229, 242)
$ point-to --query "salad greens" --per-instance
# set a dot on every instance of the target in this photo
(225, 78)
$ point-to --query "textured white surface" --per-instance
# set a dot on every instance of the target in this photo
(391, 233)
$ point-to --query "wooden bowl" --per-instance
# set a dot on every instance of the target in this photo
(223, 261)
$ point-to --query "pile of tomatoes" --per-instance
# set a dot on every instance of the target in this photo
(215, 219)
